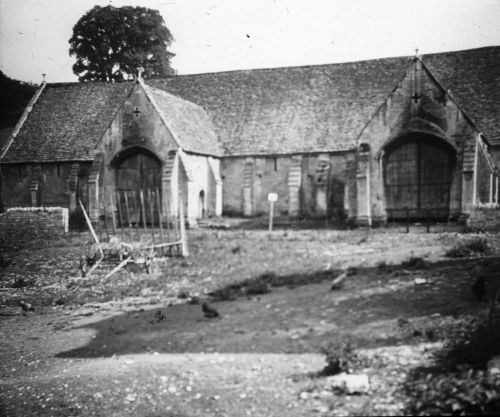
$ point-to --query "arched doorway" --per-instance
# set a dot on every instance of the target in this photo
(417, 178)
(137, 170)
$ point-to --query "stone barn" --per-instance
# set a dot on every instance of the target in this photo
(86, 140)
(366, 142)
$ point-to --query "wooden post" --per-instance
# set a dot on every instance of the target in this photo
(143, 212)
(151, 211)
(167, 222)
(128, 215)
(106, 222)
(120, 215)
(271, 213)
(176, 220)
(136, 210)
(91, 228)
(158, 204)
(113, 220)
(182, 227)
(272, 198)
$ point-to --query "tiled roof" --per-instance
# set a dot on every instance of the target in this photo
(67, 121)
(266, 111)
(290, 110)
(473, 78)
(188, 122)
(4, 137)
(324, 107)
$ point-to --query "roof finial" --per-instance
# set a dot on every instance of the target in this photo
(43, 78)
(416, 51)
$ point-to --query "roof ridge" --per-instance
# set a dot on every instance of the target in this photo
(162, 91)
(248, 70)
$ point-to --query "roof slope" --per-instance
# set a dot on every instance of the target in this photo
(4, 137)
(290, 110)
(473, 78)
(324, 107)
(189, 123)
(67, 121)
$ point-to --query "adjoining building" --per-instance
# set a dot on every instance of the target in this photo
(367, 142)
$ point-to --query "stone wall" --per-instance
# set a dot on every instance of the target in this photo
(486, 218)
(19, 226)
(313, 185)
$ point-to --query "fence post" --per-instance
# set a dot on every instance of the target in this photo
(182, 228)
(120, 215)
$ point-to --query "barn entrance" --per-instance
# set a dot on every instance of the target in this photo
(417, 178)
(137, 171)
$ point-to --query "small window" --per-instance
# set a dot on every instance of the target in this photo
(275, 164)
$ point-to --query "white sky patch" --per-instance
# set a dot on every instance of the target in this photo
(222, 35)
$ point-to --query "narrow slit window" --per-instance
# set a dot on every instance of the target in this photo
(275, 164)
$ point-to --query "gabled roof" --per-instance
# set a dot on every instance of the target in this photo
(473, 78)
(67, 121)
(320, 108)
(188, 122)
(324, 107)
(290, 110)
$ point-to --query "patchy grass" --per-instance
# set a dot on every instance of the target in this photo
(478, 246)
(414, 262)
(264, 328)
(458, 383)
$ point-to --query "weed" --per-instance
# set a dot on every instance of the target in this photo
(473, 247)
(20, 282)
(414, 262)
(225, 294)
(352, 271)
(257, 287)
(466, 392)
(340, 357)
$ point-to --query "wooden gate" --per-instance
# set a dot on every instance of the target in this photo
(136, 172)
(417, 179)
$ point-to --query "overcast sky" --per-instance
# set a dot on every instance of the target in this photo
(220, 35)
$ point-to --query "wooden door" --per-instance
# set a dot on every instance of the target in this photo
(417, 181)
(136, 173)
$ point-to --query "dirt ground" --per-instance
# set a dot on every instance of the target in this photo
(137, 344)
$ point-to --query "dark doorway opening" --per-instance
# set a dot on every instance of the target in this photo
(137, 171)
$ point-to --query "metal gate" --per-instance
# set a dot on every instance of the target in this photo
(417, 179)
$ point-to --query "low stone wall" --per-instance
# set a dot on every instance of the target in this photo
(486, 218)
(20, 226)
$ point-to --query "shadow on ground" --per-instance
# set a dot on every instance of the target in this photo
(281, 314)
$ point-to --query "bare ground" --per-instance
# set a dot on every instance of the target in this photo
(92, 347)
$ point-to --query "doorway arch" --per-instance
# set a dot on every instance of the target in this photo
(137, 169)
(417, 177)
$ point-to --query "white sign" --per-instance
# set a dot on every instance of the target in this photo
(272, 197)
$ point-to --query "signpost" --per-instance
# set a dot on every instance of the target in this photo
(272, 198)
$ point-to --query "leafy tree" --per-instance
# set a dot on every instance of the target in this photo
(14, 97)
(111, 43)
